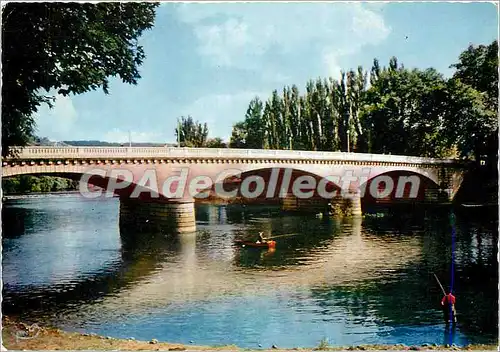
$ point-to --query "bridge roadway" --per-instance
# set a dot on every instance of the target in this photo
(176, 210)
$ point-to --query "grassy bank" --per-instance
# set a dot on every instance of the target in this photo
(20, 336)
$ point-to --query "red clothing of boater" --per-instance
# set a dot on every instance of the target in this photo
(448, 299)
(448, 303)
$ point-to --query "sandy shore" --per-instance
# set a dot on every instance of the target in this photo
(20, 336)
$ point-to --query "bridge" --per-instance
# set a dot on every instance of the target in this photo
(157, 186)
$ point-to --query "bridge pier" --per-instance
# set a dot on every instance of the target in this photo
(346, 205)
(310, 205)
(341, 205)
(173, 216)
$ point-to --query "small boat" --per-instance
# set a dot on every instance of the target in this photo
(267, 244)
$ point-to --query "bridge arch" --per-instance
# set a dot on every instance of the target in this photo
(401, 187)
(87, 184)
(260, 184)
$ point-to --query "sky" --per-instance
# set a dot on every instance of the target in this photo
(208, 60)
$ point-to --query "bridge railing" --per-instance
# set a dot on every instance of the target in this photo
(36, 152)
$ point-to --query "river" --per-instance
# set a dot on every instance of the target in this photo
(66, 263)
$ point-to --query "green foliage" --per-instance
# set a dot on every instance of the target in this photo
(37, 184)
(239, 136)
(404, 111)
(255, 126)
(191, 133)
(475, 127)
(11, 185)
(69, 47)
(216, 142)
(323, 344)
(478, 67)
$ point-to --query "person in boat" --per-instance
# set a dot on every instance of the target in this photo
(261, 238)
(448, 305)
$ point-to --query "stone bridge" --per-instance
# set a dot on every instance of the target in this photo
(157, 186)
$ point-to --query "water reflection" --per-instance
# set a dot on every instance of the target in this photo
(355, 281)
(67, 263)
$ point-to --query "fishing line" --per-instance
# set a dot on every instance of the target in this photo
(287, 235)
(452, 272)
(452, 281)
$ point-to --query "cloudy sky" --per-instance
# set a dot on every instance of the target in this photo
(210, 60)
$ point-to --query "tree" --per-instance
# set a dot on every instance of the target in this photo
(238, 136)
(287, 108)
(29, 183)
(254, 124)
(216, 142)
(71, 48)
(252, 132)
(294, 117)
(342, 107)
(478, 67)
(356, 88)
(405, 112)
(191, 133)
(470, 125)
(476, 76)
(40, 141)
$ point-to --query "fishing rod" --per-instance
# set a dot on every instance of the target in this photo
(444, 292)
(287, 235)
(279, 236)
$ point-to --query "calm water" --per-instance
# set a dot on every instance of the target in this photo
(66, 263)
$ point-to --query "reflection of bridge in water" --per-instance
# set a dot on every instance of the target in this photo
(154, 270)
(347, 257)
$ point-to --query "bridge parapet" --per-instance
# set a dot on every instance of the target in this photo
(32, 153)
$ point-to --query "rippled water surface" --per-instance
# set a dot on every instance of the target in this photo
(67, 263)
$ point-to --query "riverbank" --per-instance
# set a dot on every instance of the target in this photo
(41, 194)
(21, 336)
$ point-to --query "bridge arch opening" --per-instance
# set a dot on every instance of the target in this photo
(94, 186)
(400, 188)
(269, 186)
(142, 207)
(37, 183)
